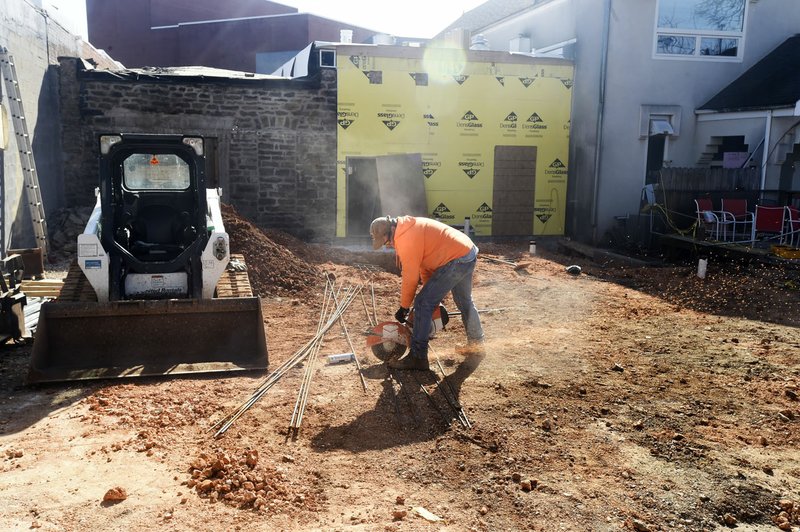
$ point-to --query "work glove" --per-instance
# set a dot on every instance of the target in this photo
(401, 314)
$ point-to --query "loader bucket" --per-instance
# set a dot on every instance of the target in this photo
(87, 340)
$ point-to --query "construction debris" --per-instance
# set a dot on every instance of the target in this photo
(64, 226)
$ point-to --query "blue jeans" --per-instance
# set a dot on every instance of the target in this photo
(455, 276)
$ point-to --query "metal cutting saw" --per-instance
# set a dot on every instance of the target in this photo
(390, 339)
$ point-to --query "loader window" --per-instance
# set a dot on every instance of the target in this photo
(155, 171)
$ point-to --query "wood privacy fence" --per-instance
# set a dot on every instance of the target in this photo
(677, 188)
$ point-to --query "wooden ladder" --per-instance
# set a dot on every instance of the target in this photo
(30, 176)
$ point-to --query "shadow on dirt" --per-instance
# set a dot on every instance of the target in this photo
(23, 404)
(412, 407)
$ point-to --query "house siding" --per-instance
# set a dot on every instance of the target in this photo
(634, 79)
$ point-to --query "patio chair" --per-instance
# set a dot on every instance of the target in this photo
(792, 232)
(769, 220)
(713, 221)
(735, 210)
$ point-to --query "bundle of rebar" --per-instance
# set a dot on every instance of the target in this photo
(368, 274)
(331, 301)
(452, 399)
(309, 350)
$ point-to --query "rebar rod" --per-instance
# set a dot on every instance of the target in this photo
(374, 307)
(451, 397)
(352, 348)
(406, 396)
(462, 416)
(337, 313)
(227, 421)
(448, 421)
(501, 261)
(370, 319)
(367, 272)
(302, 397)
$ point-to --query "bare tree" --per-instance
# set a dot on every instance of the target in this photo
(724, 15)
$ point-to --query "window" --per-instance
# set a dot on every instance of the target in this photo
(155, 171)
(700, 29)
(327, 58)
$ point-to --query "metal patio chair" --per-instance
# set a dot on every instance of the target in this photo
(735, 211)
(713, 221)
(769, 220)
(792, 230)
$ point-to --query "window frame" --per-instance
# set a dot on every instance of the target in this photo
(698, 36)
(129, 186)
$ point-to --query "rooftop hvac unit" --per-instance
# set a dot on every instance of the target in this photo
(457, 38)
(520, 44)
(346, 36)
(383, 38)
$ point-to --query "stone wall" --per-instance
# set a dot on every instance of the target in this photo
(275, 139)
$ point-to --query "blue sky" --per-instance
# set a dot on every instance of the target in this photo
(408, 18)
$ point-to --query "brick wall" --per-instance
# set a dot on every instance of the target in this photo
(276, 139)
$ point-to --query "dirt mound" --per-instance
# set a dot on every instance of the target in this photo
(272, 268)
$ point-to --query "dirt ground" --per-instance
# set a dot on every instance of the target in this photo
(623, 398)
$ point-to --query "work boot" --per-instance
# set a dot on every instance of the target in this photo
(409, 362)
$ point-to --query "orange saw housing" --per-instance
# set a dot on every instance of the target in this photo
(390, 339)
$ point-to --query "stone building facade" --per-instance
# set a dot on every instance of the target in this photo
(271, 142)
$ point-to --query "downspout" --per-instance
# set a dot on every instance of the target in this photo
(600, 110)
(767, 129)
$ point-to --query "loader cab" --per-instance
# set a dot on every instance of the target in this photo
(152, 190)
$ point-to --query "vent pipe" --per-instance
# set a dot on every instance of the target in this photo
(479, 42)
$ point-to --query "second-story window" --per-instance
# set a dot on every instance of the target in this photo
(700, 29)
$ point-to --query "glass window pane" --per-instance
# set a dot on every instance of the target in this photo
(676, 45)
(155, 171)
(727, 47)
(714, 15)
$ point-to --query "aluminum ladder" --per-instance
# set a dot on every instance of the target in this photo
(30, 176)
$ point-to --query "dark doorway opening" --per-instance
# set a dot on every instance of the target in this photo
(385, 185)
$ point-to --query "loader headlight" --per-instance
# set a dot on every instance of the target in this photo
(195, 143)
(220, 248)
(106, 141)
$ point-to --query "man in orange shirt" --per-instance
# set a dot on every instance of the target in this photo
(444, 260)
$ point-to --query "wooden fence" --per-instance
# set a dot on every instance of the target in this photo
(677, 188)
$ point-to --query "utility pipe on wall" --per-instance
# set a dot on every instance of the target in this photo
(600, 110)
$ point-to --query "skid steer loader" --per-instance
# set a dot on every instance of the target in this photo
(154, 259)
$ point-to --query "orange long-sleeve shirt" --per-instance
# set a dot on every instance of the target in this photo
(422, 246)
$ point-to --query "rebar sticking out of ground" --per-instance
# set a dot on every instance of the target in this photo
(453, 399)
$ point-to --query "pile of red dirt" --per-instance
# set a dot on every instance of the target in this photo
(243, 482)
(272, 268)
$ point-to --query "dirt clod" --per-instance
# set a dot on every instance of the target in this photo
(116, 494)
